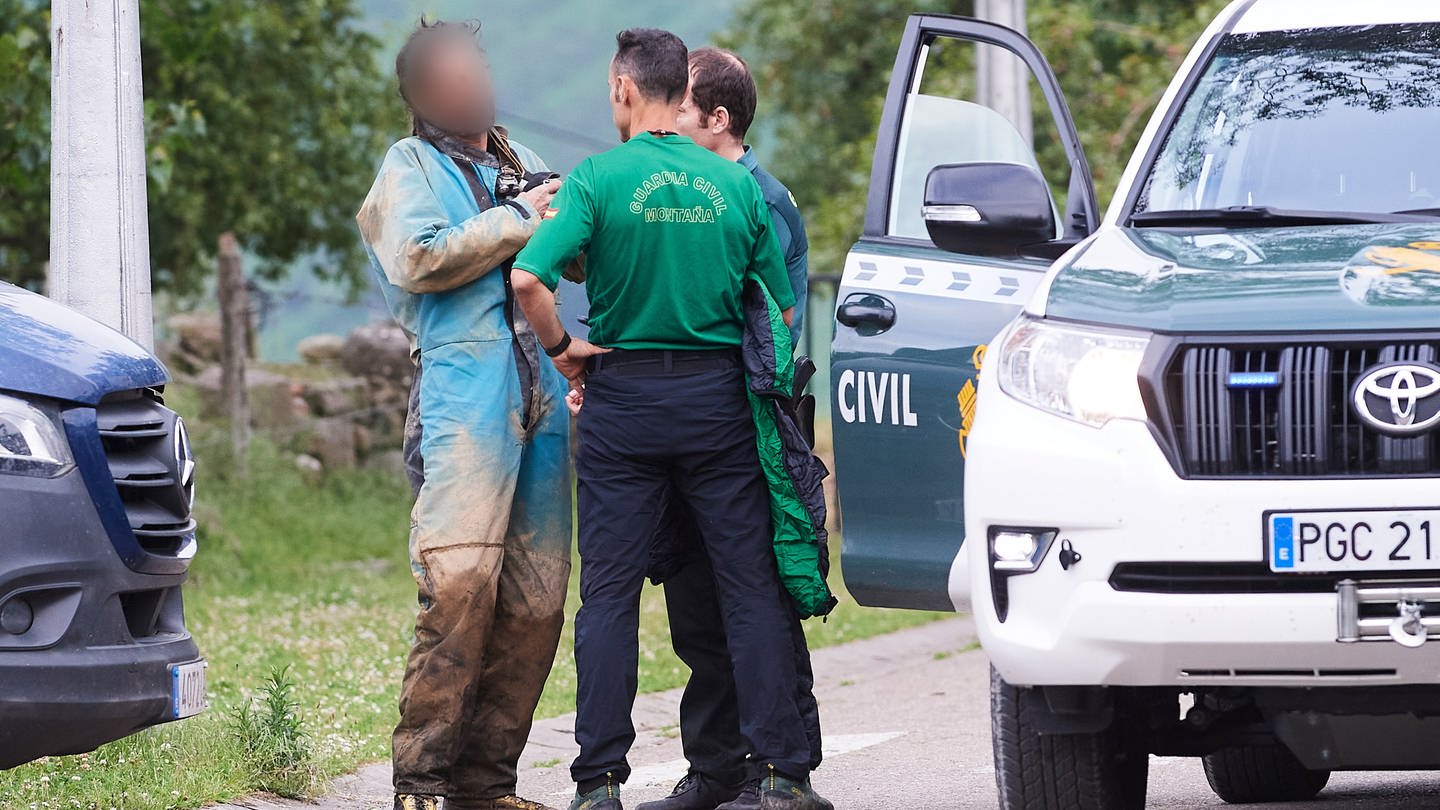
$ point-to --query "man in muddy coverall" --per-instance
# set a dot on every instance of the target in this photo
(671, 233)
(490, 530)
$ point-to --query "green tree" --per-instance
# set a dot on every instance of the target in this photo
(823, 67)
(24, 140)
(265, 119)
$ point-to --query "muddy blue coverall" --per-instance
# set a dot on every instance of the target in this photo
(490, 531)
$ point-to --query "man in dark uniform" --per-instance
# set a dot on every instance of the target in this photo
(716, 114)
(670, 232)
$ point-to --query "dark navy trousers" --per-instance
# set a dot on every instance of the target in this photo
(709, 713)
(649, 435)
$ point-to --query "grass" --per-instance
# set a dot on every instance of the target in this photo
(302, 601)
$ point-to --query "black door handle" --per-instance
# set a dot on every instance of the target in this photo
(870, 312)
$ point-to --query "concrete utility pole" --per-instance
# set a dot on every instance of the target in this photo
(99, 231)
(1002, 80)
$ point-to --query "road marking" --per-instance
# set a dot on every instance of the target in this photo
(838, 744)
(665, 774)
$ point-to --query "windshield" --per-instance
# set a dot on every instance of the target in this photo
(1330, 119)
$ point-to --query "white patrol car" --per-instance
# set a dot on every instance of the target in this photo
(1200, 466)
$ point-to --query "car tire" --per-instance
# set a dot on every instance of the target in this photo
(1261, 773)
(1033, 771)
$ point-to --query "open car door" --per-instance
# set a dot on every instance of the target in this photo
(946, 260)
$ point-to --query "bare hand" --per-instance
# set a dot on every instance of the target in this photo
(575, 400)
(572, 362)
(539, 197)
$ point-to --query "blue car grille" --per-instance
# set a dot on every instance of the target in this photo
(149, 459)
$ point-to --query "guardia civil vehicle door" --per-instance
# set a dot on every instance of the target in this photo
(950, 252)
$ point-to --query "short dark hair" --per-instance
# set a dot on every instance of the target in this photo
(719, 78)
(655, 60)
(426, 34)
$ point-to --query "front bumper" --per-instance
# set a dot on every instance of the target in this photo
(69, 701)
(92, 664)
(1113, 495)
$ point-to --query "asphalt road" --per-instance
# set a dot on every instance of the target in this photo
(907, 725)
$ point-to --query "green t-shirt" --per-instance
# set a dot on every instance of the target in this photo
(669, 231)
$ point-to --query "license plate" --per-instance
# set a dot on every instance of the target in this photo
(1308, 542)
(187, 689)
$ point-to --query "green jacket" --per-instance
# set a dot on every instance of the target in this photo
(795, 475)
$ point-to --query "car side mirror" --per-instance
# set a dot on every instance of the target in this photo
(987, 209)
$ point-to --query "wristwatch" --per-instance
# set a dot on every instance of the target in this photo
(559, 348)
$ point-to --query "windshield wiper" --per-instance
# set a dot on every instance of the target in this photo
(1264, 215)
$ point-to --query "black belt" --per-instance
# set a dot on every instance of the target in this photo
(662, 361)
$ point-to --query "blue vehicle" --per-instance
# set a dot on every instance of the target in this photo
(96, 536)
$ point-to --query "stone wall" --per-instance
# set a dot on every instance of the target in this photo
(343, 406)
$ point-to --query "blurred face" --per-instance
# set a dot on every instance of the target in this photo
(455, 91)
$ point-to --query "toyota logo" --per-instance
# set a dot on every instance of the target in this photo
(1399, 398)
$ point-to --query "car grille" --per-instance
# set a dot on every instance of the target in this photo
(1302, 426)
(149, 458)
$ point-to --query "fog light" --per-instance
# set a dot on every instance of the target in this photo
(1019, 550)
(16, 616)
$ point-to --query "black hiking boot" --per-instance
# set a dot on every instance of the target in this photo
(776, 792)
(694, 792)
(604, 797)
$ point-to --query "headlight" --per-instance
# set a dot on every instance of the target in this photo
(1082, 373)
(31, 441)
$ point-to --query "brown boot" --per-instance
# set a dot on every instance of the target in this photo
(412, 801)
(513, 802)
(510, 802)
